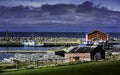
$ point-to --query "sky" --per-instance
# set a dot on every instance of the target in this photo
(111, 4)
(70, 21)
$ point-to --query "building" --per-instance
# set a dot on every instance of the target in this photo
(90, 53)
(96, 37)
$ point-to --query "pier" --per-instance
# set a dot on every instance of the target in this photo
(23, 51)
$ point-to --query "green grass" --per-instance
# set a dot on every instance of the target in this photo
(92, 68)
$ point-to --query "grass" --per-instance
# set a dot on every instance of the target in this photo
(92, 68)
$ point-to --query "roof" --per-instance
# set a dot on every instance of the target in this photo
(82, 49)
(95, 31)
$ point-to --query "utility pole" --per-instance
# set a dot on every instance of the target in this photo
(6, 36)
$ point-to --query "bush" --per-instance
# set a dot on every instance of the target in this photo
(7, 67)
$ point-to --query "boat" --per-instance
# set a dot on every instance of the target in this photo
(32, 44)
(39, 44)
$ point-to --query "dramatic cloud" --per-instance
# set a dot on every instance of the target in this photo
(111, 4)
(86, 15)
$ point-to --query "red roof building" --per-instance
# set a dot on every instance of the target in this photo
(96, 35)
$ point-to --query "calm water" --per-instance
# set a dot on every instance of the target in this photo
(24, 48)
(7, 55)
(54, 34)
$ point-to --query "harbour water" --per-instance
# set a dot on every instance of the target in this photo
(24, 48)
(7, 55)
(53, 34)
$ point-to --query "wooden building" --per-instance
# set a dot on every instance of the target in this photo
(78, 54)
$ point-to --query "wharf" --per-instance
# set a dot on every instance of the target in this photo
(22, 51)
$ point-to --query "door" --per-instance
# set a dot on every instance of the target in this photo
(98, 56)
(75, 59)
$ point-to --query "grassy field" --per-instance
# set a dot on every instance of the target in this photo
(92, 68)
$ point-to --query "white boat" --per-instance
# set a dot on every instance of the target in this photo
(29, 43)
(39, 44)
(32, 44)
(6, 60)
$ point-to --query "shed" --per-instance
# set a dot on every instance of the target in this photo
(88, 53)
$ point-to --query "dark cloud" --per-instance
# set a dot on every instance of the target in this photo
(60, 16)
(111, 4)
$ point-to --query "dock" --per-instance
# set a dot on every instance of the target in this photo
(22, 51)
